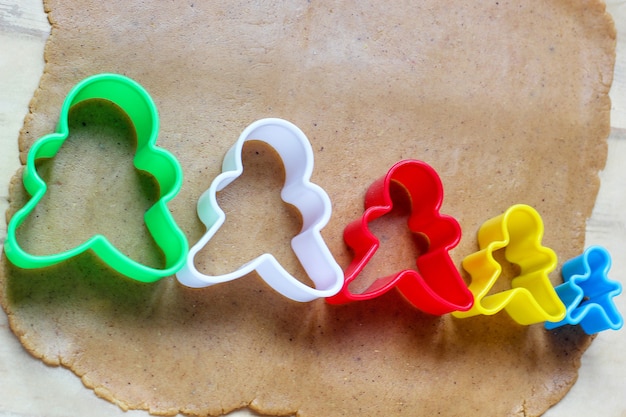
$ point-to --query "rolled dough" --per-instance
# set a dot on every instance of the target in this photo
(507, 100)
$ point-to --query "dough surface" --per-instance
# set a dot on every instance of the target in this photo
(507, 100)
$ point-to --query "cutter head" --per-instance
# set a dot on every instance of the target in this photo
(436, 286)
(294, 149)
(588, 293)
(141, 110)
(531, 299)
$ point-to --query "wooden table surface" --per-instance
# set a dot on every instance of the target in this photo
(30, 388)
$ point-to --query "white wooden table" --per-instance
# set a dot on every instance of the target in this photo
(30, 388)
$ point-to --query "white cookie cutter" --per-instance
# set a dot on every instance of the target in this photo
(294, 149)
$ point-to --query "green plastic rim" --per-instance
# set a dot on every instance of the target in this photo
(135, 101)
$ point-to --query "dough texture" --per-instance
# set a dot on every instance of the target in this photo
(507, 100)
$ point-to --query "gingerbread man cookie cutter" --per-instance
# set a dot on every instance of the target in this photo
(162, 165)
(588, 293)
(295, 150)
(531, 298)
(435, 287)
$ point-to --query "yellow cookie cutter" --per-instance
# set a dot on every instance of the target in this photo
(532, 298)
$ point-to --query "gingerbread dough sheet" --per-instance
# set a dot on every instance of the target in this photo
(507, 101)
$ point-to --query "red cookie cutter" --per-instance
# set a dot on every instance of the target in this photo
(438, 287)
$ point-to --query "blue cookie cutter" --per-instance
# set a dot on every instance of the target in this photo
(588, 293)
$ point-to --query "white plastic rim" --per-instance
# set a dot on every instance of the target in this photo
(295, 150)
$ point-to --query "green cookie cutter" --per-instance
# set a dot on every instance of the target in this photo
(138, 105)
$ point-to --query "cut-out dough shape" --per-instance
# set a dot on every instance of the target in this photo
(294, 149)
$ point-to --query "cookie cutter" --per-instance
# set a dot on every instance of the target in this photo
(587, 293)
(294, 149)
(532, 298)
(138, 105)
(438, 287)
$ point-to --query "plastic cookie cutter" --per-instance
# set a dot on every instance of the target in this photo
(294, 149)
(531, 298)
(588, 293)
(435, 287)
(140, 108)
